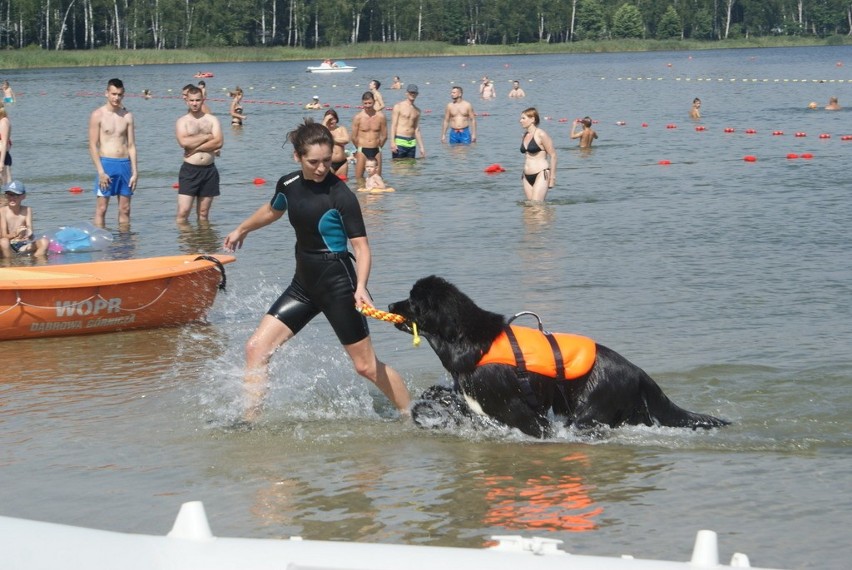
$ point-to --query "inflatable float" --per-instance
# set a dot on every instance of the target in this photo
(192, 545)
(78, 238)
(106, 296)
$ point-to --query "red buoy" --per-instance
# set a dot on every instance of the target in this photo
(729, 130)
(750, 158)
(75, 190)
(807, 156)
(664, 162)
(824, 136)
(792, 155)
(259, 181)
(801, 134)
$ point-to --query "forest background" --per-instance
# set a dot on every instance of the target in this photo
(97, 32)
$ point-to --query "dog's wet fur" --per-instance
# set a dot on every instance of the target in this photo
(613, 393)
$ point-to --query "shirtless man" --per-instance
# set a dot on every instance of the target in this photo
(516, 92)
(112, 147)
(695, 111)
(369, 133)
(405, 127)
(200, 136)
(586, 134)
(460, 119)
(379, 104)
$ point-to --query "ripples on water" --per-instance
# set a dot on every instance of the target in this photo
(727, 281)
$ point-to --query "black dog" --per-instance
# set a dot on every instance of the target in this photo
(610, 391)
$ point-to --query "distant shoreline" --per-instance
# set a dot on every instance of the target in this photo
(36, 58)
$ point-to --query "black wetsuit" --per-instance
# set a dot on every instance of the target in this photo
(325, 215)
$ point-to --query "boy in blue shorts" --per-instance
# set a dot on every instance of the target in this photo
(112, 147)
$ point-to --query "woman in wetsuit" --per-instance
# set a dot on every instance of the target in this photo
(539, 174)
(339, 160)
(325, 214)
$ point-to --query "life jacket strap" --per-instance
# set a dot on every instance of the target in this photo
(557, 355)
(521, 366)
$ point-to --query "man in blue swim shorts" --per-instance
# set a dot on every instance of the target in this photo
(112, 147)
(460, 119)
(405, 127)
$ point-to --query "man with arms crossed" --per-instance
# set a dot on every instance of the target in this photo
(460, 119)
(112, 147)
(200, 135)
(369, 133)
(405, 127)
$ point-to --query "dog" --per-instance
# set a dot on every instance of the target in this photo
(595, 386)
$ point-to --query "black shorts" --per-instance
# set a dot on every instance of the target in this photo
(324, 283)
(198, 181)
(8, 161)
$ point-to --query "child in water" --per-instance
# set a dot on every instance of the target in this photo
(16, 225)
(373, 180)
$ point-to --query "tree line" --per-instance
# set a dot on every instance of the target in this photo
(176, 24)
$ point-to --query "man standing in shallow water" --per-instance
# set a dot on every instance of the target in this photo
(405, 127)
(460, 119)
(200, 135)
(112, 147)
(369, 133)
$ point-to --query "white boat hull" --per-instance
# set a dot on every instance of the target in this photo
(342, 69)
(191, 545)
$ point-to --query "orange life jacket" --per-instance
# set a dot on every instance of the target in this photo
(563, 356)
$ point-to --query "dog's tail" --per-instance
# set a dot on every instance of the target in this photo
(664, 412)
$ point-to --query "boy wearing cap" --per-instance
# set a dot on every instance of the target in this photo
(16, 225)
(405, 127)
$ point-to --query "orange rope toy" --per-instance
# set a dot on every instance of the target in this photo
(380, 315)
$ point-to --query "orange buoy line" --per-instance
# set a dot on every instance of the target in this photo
(390, 318)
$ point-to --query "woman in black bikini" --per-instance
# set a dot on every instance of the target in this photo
(339, 160)
(326, 217)
(536, 146)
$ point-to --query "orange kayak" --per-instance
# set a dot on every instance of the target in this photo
(106, 296)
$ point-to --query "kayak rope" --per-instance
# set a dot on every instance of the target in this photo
(380, 315)
(219, 266)
(74, 304)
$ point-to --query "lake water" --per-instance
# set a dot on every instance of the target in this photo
(728, 281)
